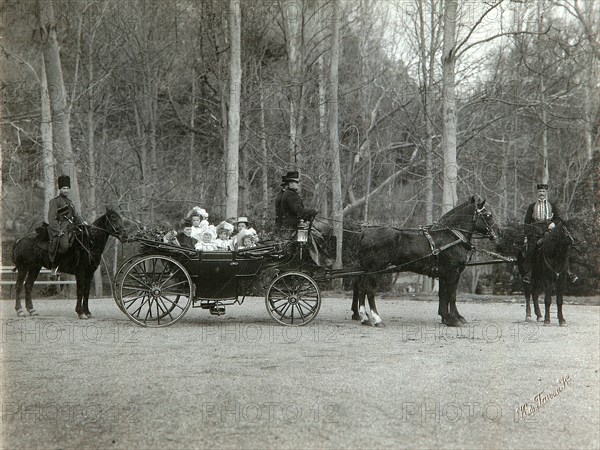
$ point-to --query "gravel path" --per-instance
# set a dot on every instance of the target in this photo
(241, 380)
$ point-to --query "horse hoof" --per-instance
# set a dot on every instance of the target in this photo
(32, 312)
(453, 323)
(88, 315)
(379, 325)
(20, 313)
(366, 323)
(527, 318)
(546, 323)
(83, 316)
(355, 317)
(563, 323)
(462, 320)
(539, 318)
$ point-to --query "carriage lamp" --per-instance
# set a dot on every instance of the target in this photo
(302, 235)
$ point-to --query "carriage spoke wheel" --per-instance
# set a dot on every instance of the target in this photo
(155, 291)
(118, 280)
(293, 299)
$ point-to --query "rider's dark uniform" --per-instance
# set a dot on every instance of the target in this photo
(290, 210)
(61, 215)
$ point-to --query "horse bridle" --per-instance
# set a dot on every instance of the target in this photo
(489, 229)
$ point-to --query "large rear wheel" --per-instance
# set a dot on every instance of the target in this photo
(155, 291)
(293, 299)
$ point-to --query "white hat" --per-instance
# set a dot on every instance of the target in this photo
(210, 229)
(225, 226)
(197, 211)
(242, 219)
(245, 233)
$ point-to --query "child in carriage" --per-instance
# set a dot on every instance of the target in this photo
(223, 241)
(243, 224)
(199, 218)
(207, 240)
(247, 238)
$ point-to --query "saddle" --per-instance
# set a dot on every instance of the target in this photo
(42, 238)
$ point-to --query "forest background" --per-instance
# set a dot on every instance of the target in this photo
(393, 111)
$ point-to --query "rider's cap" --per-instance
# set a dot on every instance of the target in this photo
(64, 181)
(291, 176)
(542, 186)
(242, 219)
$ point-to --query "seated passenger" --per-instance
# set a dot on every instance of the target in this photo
(247, 238)
(184, 237)
(223, 241)
(243, 224)
(207, 241)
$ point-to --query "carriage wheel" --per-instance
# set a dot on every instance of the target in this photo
(293, 299)
(155, 291)
(118, 280)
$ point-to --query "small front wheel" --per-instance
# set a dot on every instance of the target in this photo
(293, 299)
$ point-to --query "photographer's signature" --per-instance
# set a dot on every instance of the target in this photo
(529, 409)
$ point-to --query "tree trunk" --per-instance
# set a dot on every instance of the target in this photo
(46, 132)
(292, 15)
(449, 196)
(338, 214)
(233, 117)
(58, 99)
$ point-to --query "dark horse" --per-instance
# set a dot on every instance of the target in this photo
(441, 251)
(30, 253)
(550, 270)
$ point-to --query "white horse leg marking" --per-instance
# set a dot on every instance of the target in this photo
(376, 318)
(364, 314)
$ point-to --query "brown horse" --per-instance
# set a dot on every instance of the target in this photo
(549, 274)
(441, 250)
(30, 254)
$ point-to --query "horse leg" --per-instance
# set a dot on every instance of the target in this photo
(32, 275)
(79, 305)
(377, 321)
(547, 304)
(448, 285)
(527, 292)
(355, 294)
(21, 274)
(559, 301)
(86, 296)
(535, 295)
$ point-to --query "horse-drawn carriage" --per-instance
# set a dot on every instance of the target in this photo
(158, 286)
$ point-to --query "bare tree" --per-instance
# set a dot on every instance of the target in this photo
(58, 98)
(233, 116)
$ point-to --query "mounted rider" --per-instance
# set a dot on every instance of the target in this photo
(61, 218)
(541, 218)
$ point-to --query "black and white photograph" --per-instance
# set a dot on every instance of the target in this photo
(300, 224)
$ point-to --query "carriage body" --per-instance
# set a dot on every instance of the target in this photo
(157, 286)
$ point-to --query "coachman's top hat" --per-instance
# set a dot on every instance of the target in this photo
(64, 181)
(186, 222)
(291, 176)
(542, 186)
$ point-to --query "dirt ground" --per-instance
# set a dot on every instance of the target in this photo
(242, 381)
